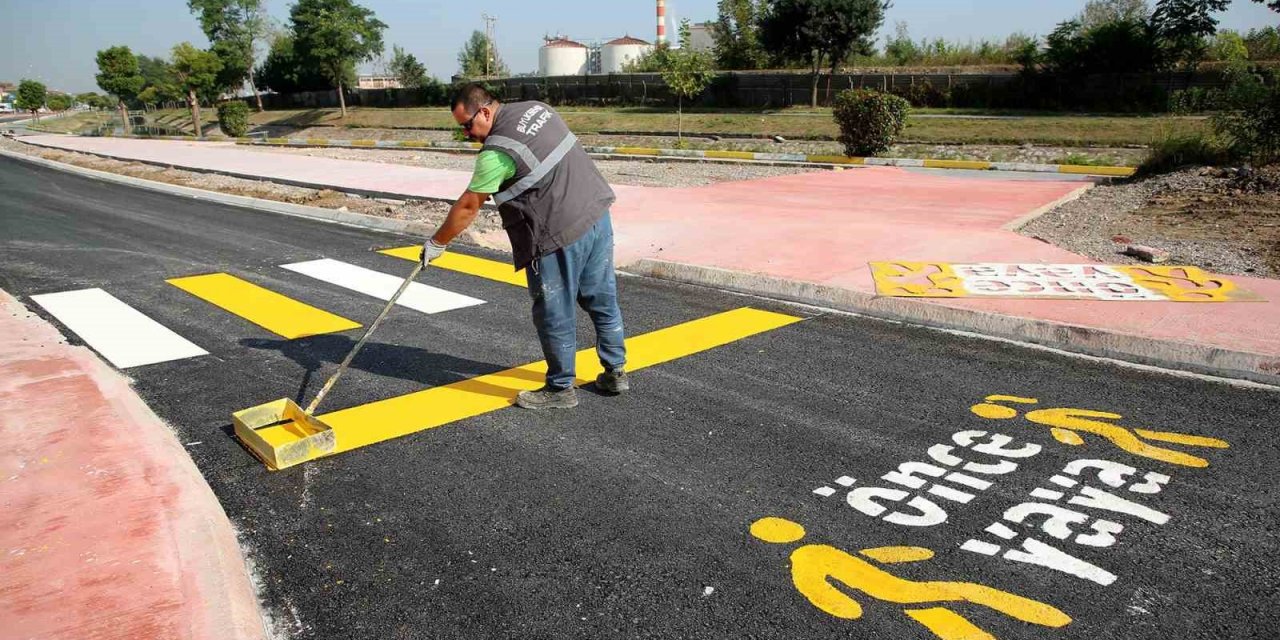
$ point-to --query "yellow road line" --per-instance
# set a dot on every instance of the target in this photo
(272, 311)
(395, 417)
(471, 265)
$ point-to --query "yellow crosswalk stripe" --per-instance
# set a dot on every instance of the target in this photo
(375, 422)
(272, 311)
(471, 265)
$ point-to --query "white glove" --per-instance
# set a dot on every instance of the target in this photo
(431, 250)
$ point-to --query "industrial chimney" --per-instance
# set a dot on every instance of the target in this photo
(662, 22)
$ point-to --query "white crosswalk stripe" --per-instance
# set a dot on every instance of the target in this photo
(419, 297)
(123, 335)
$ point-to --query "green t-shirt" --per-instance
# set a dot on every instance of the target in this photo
(492, 169)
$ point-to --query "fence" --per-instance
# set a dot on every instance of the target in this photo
(1113, 92)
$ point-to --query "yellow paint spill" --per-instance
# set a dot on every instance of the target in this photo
(272, 311)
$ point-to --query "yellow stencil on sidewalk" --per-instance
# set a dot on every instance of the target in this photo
(917, 280)
(1187, 284)
(999, 280)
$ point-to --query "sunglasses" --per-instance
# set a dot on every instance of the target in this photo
(466, 126)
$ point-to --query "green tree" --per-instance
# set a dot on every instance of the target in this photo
(1274, 5)
(234, 28)
(159, 85)
(1228, 46)
(59, 101)
(118, 75)
(284, 72)
(479, 58)
(89, 99)
(1183, 25)
(652, 61)
(737, 35)
(1099, 12)
(31, 97)
(901, 49)
(196, 74)
(688, 74)
(820, 31)
(406, 68)
(1263, 44)
(335, 35)
(1122, 46)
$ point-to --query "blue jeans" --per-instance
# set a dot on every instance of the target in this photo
(580, 273)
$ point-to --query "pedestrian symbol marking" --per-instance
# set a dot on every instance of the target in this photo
(277, 313)
(404, 415)
(1067, 425)
(463, 263)
(825, 575)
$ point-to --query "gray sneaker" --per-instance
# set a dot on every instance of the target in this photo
(548, 398)
(614, 382)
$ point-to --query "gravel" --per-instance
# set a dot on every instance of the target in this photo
(1194, 214)
(992, 153)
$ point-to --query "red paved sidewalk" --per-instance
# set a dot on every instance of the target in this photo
(810, 237)
(107, 529)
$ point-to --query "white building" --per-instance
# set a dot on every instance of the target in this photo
(562, 57)
(616, 54)
(700, 38)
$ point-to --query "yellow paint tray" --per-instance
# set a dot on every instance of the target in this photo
(299, 437)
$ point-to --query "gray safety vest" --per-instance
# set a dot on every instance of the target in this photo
(557, 194)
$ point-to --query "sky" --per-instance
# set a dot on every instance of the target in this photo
(54, 41)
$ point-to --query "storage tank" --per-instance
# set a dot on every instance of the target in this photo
(617, 53)
(562, 57)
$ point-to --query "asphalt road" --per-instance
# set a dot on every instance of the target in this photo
(631, 517)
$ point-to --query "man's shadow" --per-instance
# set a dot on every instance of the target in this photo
(319, 356)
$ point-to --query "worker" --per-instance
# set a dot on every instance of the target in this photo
(554, 206)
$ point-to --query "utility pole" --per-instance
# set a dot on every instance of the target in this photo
(489, 22)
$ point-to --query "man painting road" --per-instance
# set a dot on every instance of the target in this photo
(555, 208)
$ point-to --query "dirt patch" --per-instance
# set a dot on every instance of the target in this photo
(429, 212)
(636, 173)
(1035, 154)
(1223, 220)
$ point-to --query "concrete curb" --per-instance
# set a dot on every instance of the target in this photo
(348, 218)
(1095, 342)
(1215, 361)
(247, 176)
(734, 156)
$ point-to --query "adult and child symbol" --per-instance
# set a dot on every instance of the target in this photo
(831, 578)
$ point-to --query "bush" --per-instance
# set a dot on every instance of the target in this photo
(869, 121)
(924, 95)
(1250, 116)
(1175, 152)
(233, 118)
